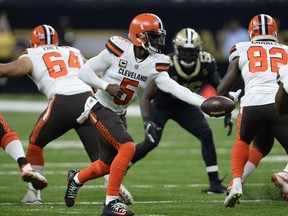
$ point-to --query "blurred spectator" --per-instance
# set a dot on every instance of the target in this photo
(7, 43)
(231, 33)
(65, 32)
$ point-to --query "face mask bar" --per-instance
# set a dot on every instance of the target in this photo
(153, 40)
(187, 56)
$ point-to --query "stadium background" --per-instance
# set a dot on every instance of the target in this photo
(94, 21)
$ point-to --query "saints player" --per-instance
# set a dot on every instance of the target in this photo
(128, 66)
(193, 68)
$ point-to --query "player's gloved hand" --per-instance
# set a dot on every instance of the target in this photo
(150, 129)
(235, 95)
(228, 123)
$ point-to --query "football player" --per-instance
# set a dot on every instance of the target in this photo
(193, 68)
(10, 142)
(128, 66)
(280, 179)
(258, 62)
(54, 69)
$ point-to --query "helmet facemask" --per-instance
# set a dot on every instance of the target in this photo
(147, 30)
(152, 41)
(187, 56)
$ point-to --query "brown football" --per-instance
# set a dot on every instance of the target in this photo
(217, 106)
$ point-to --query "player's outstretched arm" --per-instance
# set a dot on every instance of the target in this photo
(166, 84)
(16, 68)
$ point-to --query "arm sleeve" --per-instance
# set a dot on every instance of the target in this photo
(168, 85)
(88, 73)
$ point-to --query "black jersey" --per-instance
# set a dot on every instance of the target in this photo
(204, 71)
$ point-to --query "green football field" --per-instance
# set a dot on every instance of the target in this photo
(168, 181)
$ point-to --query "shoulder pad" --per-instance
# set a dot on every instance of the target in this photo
(233, 49)
(162, 62)
(202, 52)
(237, 49)
(233, 53)
(206, 55)
(23, 53)
(117, 45)
(73, 48)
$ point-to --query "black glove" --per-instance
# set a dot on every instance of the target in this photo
(150, 129)
(228, 123)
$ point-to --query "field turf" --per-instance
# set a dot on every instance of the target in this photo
(168, 181)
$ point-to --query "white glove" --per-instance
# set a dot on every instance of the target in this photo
(235, 95)
(90, 103)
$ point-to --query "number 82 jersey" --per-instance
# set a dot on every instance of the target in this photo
(259, 62)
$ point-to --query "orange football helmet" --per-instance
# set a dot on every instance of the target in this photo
(43, 35)
(147, 30)
(263, 26)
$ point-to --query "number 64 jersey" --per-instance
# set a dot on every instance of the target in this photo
(259, 62)
(55, 70)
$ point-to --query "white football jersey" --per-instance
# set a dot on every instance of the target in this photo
(55, 70)
(123, 69)
(283, 76)
(259, 62)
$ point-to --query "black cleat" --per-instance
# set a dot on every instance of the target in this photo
(216, 187)
(72, 189)
(115, 208)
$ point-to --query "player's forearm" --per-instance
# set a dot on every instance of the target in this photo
(170, 86)
(87, 75)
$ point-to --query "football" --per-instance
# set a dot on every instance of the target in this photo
(217, 106)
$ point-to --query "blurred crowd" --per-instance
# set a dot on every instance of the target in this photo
(217, 43)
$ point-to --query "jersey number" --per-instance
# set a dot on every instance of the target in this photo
(57, 66)
(128, 93)
(259, 60)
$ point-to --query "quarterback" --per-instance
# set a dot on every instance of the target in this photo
(142, 63)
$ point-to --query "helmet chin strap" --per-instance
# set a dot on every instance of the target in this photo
(152, 50)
